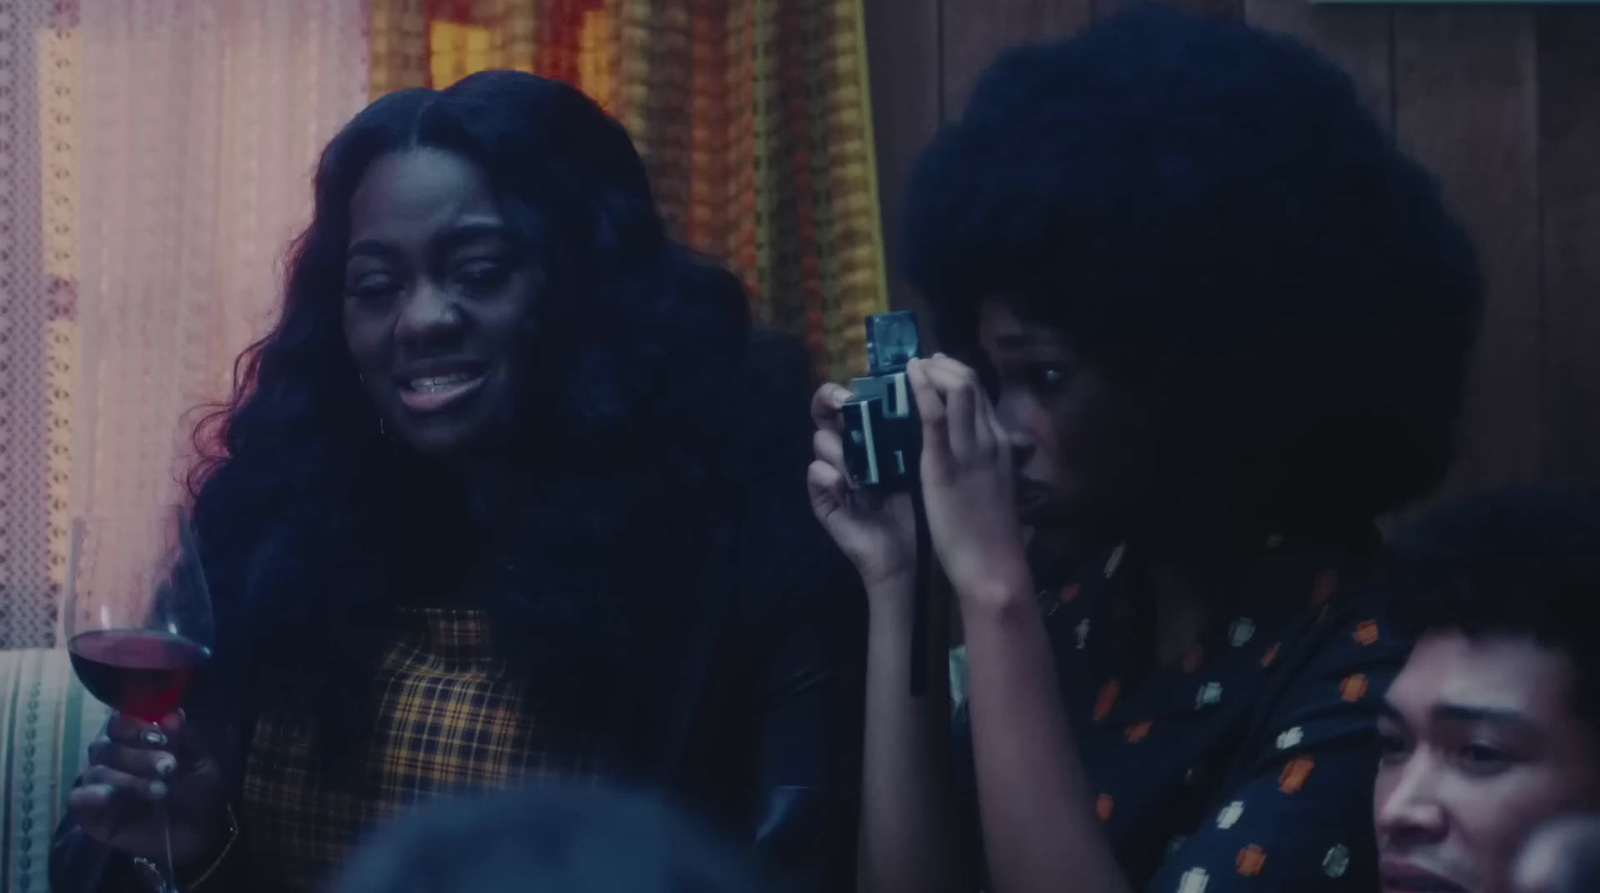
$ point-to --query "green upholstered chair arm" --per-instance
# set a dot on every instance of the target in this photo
(46, 723)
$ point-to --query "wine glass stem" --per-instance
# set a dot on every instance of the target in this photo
(169, 877)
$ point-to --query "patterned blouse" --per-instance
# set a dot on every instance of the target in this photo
(1248, 764)
(451, 719)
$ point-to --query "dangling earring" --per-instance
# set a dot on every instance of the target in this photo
(381, 431)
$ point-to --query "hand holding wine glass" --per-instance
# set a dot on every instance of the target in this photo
(138, 625)
(140, 772)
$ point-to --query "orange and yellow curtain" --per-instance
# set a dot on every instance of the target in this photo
(753, 116)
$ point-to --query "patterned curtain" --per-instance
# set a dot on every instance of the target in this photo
(38, 309)
(155, 158)
(752, 115)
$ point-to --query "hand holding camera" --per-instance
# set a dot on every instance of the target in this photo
(875, 531)
(911, 423)
(967, 484)
(867, 445)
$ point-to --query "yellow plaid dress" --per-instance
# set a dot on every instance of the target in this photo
(450, 720)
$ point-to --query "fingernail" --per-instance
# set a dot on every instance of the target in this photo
(158, 789)
(166, 766)
(153, 738)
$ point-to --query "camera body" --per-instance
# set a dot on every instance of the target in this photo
(883, 436)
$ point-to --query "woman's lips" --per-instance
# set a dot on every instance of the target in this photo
(429, 394)
(1405, 877)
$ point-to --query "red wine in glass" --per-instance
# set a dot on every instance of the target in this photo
(138, 619)
(142, 673)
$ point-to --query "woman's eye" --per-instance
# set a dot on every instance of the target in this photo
(373, 288)
(481, 275)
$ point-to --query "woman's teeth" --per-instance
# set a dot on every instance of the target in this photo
(433, 393)
(439, 382)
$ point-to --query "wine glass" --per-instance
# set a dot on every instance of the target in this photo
(138, 620)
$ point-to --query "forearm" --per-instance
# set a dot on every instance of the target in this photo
(1040, 826)
(909, 833)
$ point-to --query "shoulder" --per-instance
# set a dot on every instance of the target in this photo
(1294, 810)
(1351, 631)
(1331, 675)
(772, 391)
(786, 563)
(769, 447)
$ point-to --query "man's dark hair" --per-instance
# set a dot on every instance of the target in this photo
(563, 839)
(1208, 210)
(1521, 560)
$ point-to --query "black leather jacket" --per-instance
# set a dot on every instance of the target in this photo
(764, 738)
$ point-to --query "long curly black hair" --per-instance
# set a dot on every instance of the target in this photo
(314, 525)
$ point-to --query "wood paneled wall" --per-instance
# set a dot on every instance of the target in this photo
(1502, 102)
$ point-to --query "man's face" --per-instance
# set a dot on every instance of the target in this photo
(1480, 745)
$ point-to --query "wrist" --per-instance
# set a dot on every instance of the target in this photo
(1001, 585)
(892, 596)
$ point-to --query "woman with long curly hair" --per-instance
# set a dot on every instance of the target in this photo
(512, 490)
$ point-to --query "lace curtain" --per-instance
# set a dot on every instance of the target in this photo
(38, 302)
(753, 116)
(154, 157)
